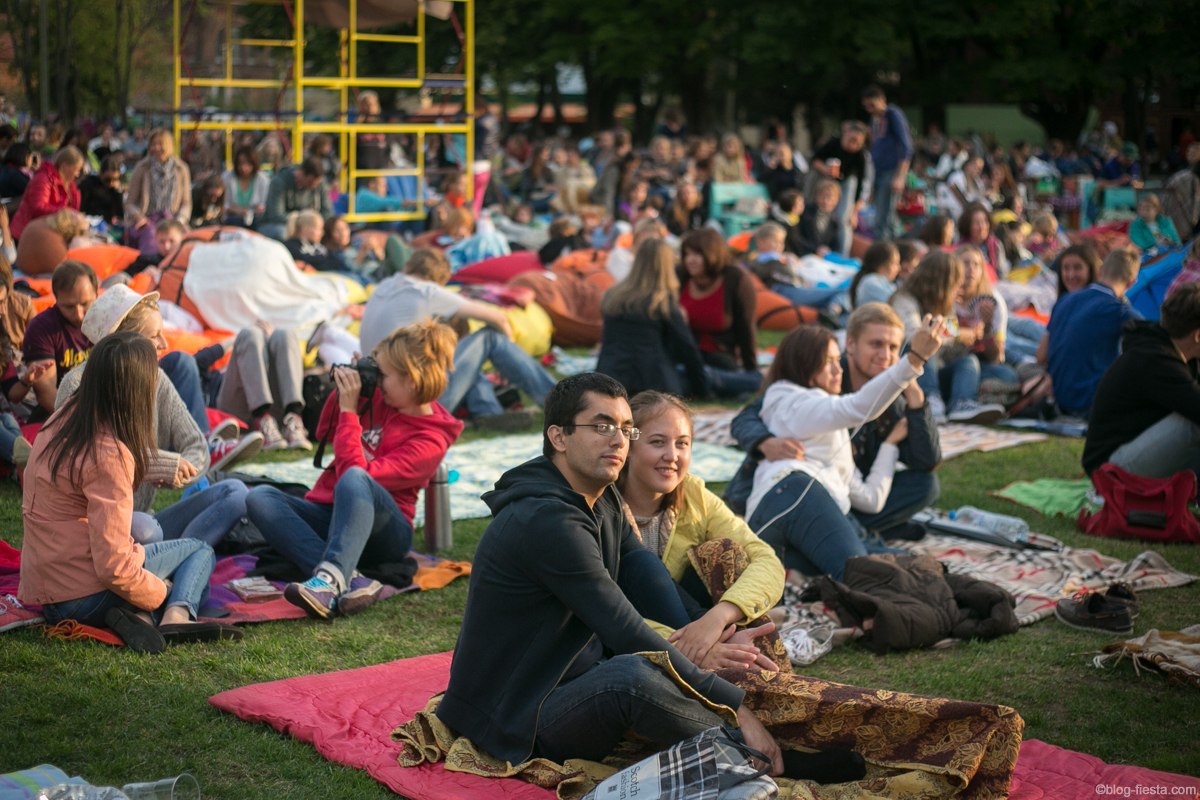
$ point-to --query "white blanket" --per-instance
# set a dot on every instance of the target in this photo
(237, 282)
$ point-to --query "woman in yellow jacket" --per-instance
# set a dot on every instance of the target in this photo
(691, 531)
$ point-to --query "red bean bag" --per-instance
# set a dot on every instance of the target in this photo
(500, 269)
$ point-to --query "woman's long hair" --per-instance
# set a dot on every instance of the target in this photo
(650, 288)
(646, 406)
(934, 283)
(800, 356)
(115, 399)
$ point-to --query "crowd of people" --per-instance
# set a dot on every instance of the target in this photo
(599, 534)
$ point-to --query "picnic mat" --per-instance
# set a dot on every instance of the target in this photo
(1046, 772)
(349, 717)
(479, 464)
(1038, 579)
(712, 427)
(1051, 497)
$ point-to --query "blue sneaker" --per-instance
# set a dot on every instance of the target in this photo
(362, 592)
(317, 597)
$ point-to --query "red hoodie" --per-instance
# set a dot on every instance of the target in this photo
(400, 451)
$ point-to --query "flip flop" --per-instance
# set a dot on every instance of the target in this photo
(139, 635)
(186, 632)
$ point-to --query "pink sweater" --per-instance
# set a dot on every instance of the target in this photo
(77, 540)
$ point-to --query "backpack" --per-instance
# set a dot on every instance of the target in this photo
(1155, 509)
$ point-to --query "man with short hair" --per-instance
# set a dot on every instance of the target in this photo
(1084, 334)
(1146, 418)
(299, 187)
(891, 153)
(418, 295)
(530, 675)
(874, 339)
(54, 341)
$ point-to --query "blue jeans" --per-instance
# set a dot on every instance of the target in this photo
(805, 295)
(187, 562)
(732, 382)
(185, 377)
(815, 537)
(1166, 447)
(650, 589)
(1024, 336)
(206, 515)
(589, 716)
(10, 431)
(911, 492)
(362, 523)
(467, 382)
(884, 201)
(958, 381)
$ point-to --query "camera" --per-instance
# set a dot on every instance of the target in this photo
(368, 372)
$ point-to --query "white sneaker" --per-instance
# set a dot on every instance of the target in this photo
(937, 407)
(974, 412)
(294, 433)
(272, 437)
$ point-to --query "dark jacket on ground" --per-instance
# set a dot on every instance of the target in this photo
(642, 353)
(543, 583)
(920, 451)
(914, 602)
(1147, 382)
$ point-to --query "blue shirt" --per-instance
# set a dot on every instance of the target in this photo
(1085, 339)
(891, 142)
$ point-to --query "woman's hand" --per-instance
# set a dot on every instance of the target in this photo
(696, 639)
(928, 338)
(736, 650)
(756, 736)
(899, 432)
(349, 387)
(185, 473)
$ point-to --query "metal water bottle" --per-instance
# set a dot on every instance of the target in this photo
(438, 533)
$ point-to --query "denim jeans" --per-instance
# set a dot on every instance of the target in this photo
(363, 522)
(467, 382)
(1024, 336)
(10, 431)
(187, 562)
(732, 382)
(1166, 447)
(650, 589)
(911, 491)
(884, 200)
(207, 515)
(959, 380)
(805, 295)
(185, 377)
(589, 716)
(815, 537)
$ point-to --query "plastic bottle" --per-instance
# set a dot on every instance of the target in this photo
(1013, 528)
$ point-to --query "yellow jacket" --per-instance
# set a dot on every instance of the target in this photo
(704, 517)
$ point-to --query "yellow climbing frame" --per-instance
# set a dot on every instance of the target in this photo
(348, 78)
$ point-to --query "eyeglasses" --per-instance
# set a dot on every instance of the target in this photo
(608, 430)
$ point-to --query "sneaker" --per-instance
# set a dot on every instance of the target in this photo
(507, 422)
(316, 596)
(224, 430)
(1092, 611)
(227, 452)
(271, 435)
(294, 433)
(21, 450)
(1121, 593)
(15, 615)
(363, 592)
(976, 413)
(937, 407)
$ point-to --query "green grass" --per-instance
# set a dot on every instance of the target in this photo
(114, 716)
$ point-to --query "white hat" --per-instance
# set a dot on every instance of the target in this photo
(110, 308)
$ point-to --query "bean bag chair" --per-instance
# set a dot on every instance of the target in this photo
(774, 312)
(500, 269)
(41, 248)
(741, 241)
(532, 328)
(105, 259)
(581, 262)
(572, 302)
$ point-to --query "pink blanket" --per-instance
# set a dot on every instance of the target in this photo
(349, 717)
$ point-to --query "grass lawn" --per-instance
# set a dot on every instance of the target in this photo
(114, 716)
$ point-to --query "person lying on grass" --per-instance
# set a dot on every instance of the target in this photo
(676, 514)
(387, 443)
(80, 561)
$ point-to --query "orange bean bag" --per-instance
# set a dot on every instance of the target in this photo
(572, 302)
(741, 241)
(41, 248)
(105, 259)
(774, 312)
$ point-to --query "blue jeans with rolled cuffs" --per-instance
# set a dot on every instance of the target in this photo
(188, 563)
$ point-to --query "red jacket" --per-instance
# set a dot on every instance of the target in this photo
(400, 451)
(45, 195)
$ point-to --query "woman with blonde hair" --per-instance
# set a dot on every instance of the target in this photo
(729, 164)
(160, 187)
(646, 342)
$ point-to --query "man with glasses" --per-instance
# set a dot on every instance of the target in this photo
(545, 664)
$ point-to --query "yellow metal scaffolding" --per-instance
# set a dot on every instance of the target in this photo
(348, 78)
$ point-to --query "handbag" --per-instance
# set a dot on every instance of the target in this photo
(1155, 509)
(712, 765)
